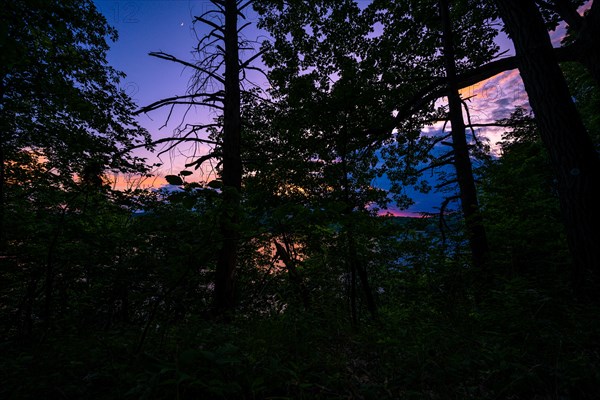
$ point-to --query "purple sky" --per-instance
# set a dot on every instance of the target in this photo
(166, 25)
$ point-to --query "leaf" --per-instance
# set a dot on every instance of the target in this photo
(185, 173)
(174, 180)
(215, 184)
(189, 357)
(189, 202)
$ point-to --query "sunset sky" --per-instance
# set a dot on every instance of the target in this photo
(146, 26)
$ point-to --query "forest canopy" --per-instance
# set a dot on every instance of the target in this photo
(284, 275)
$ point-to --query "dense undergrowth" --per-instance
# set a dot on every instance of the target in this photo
(518, 343)
(130, 294)
(100, 303)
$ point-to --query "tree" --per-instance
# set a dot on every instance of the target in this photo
(580, 47)
(218, 65)
(584, 30)
(371, 52)
(453, 41)
(64, 122)
(575, 50)
(520, 200)
(324, 101)
(59, 97)
(461, 160)
(572, 153)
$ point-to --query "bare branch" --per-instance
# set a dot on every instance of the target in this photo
(213, 11)
(169, 57)
(241, 28)
(434, 142)
(210, 23)
(208, 102)
(201, 160)
(243, 6)
(259, 70)
(191, 128)
(470, 124)
(219, 3)
(446, 183)
(169, 139)
(254, 57)
(203, 45)
(440, 140)
(199, 103)
(175, 141)
(491, 124)
(434, 165)
(437, 88)
(216, 35)
(184, 139)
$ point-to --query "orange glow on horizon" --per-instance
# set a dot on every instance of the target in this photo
(399, 213)
(133, 182)
(155, 180)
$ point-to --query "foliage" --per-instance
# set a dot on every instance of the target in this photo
(587, 96)
(107, 294)
(521, 203)
(59, 95)
(431, 342)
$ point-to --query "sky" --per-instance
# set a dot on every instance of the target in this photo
(166, 25)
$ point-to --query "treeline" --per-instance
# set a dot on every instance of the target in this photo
(281, 278)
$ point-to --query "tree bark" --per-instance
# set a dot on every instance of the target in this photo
(574, 158)
(462, 161)
(231, 174)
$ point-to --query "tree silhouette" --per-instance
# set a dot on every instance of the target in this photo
(572, 152)
(219, 75)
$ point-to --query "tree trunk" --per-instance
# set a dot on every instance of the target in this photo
(231, 169)
(462, 161)
(295, 276)
(357, 268)
(573, 156)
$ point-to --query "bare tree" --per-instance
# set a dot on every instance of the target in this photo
(220, 78)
